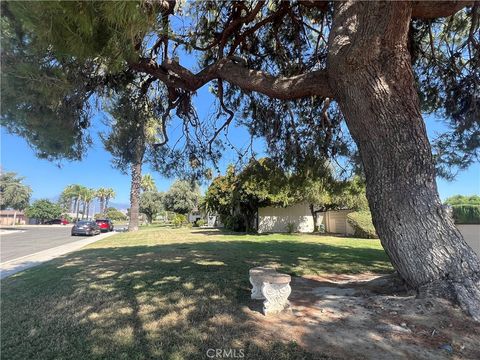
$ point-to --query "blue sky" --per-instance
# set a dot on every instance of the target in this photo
(48, 179)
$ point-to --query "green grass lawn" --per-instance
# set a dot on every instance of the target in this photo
(162, 293)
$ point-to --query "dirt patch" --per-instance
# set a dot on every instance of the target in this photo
(369, 317)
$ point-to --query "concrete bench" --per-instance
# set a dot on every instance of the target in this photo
(271, 286)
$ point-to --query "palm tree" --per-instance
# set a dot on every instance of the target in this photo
(88, 196)
(13, 193)
(68, 198)
(109, 194)
(78, 192)
(148, 184)
(101, 196)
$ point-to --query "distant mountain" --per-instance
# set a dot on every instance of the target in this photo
(94, 205)
(119, 206)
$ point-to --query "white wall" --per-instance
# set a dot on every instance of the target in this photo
(471, 234)
(335, 221)
(275, 219)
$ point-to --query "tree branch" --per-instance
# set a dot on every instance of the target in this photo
(229, 112)
(171, 73)
(284, 7)
(317, 4)
(437, 9)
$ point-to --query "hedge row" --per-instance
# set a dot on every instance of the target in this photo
(361, 222)
(466, 214)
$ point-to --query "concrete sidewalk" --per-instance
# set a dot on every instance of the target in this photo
(13, 266)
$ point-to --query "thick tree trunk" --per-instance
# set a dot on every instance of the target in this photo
(136, 183)
(370, 73)
(84, 205)
(314, 216)
(102, 206)
(78, 207)
(135, 196)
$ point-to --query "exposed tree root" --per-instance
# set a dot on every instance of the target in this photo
(464, 292)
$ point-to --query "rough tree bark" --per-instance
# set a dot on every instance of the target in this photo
(314, 216)
(135, 192)
(370, 73)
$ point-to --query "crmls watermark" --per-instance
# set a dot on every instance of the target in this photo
(225, 353)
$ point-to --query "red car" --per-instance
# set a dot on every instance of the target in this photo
(105, 225)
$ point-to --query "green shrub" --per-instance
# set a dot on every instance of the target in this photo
(67, 217)
(234, 222)
(113, 214)
(463, 200)
(200, 222)
(43, 210)
(361, 221)
(179, 220)
(168, 216)
(466, 214)
(290, 227)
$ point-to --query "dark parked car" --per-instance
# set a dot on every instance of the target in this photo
(105, 224)
(85, 227)
(57, 222)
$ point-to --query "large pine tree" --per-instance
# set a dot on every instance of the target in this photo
(297, 71)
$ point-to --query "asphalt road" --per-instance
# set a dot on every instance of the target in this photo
(31, 240)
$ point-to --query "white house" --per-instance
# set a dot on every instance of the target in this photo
(194, 215)
(276, 219)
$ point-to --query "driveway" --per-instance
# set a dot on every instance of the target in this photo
(29, 240)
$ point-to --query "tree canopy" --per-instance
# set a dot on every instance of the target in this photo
(264, 183)
(463, 200)
(295, 75)
(182, 197)
(148, 183)
(62, 55)
(114, 214)
(104, 195)
(13, 193)
(151, 203)
(43, 210)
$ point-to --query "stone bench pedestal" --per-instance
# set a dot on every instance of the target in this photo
(272, 287)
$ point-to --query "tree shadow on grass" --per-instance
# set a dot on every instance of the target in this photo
(221, 231)
(172, 301)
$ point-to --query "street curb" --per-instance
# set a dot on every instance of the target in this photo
(25, 262)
